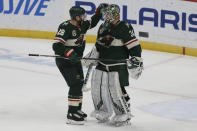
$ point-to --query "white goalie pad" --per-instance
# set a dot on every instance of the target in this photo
(100, 94)
(120, 105)
(92, 54)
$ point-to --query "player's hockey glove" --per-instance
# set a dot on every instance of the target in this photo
(72, 55)
(100, 8)
(135, 67)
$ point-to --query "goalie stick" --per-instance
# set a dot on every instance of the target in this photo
(85, 88)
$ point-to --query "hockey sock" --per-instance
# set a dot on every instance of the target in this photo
(73, 103)
(80, 103)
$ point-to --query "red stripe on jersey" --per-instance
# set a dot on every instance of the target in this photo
(69, 53)
(132, 42)
(60, 40)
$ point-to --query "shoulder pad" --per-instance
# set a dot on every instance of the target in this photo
(126, 25)
(64, 25)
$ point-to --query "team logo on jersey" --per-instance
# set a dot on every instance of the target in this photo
(74, 33)
(80, 39)
(106, 41)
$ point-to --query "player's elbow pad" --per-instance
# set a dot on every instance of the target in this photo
(56, 45)
(58, 48)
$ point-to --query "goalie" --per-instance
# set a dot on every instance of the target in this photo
(115, 40)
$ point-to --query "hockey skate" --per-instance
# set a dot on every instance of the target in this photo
(121, 120)
(101, 116)
(83, 114)
(75, 119)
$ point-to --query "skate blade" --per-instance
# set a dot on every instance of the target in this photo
(72, 122)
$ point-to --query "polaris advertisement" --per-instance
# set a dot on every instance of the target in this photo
(163, 21)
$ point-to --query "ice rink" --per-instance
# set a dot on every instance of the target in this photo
(33, 94)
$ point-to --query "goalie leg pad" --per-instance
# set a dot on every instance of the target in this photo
(120, 105)
(100, 95)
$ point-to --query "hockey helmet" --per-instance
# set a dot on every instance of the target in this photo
(76, 11)
(111, 12)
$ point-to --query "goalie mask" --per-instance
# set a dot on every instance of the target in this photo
(111, 13)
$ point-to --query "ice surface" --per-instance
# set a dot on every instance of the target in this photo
(33, 94)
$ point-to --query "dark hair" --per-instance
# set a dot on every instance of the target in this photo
(76, 11)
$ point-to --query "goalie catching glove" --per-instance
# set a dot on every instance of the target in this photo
(135, 67)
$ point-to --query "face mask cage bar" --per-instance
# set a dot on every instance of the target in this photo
(108, 16)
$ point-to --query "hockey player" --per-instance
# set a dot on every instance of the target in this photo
(70, 43)
(115, 41)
